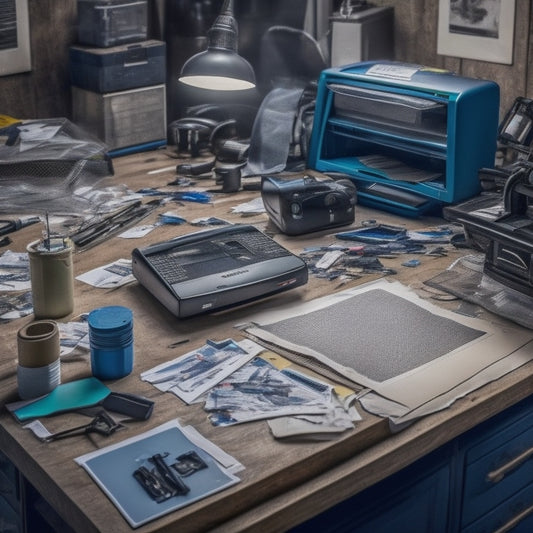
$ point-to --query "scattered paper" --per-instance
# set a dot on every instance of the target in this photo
(328, 259)
(14, 271)
(73, 336)
(15, 306)
(252, 207)
(258, 390)
(191, 375)
(109, 276)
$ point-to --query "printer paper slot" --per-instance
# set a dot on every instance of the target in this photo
(340, 127)
(424, 116)
(386, 157)
(395, 169)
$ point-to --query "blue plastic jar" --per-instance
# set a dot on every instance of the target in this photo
(111, 341)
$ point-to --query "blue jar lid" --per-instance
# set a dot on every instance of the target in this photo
(110, 320)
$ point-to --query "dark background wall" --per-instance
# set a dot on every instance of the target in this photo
(45, 91)
(416, 41)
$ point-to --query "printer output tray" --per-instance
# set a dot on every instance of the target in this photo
(214, 269)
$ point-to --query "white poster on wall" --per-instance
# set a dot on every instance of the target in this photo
(14, 37)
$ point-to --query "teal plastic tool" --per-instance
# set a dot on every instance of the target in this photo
(65, 397)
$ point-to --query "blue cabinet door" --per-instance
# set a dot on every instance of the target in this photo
(413, 500)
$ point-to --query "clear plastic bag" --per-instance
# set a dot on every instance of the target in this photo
(43, 163)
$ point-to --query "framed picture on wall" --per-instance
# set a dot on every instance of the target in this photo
(477, 29)
(14, 37)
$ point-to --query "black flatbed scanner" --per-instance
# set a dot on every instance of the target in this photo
(214, 269)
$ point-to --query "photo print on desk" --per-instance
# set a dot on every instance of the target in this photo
(112, 469)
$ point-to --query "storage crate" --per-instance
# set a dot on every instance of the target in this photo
(112, 22)
(128, 66)
(124, 118)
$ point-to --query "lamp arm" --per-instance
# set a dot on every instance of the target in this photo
(224, 32)
(227, 8)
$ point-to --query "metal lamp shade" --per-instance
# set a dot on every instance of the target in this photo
(218, 69)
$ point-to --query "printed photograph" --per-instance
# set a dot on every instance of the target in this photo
(475, 17)
(477, 29)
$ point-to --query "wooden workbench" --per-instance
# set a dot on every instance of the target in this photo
(283, 483)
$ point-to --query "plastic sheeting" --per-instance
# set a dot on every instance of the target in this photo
(43, 163)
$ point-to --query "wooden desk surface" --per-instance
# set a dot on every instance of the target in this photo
(283, 483)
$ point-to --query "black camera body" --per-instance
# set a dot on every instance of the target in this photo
(305, 204)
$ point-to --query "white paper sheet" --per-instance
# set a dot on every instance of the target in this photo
(422, 389)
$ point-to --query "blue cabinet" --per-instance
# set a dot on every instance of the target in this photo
(480, 482)
(22, 508)
(11, 506)
(497, 473)
(413, 500)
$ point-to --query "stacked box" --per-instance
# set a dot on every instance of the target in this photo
(117, 76)
(118, 68)
(122, 118)
(112, 22)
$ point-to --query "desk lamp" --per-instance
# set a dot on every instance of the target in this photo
(220, 67)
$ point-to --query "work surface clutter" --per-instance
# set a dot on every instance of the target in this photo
(165, 412)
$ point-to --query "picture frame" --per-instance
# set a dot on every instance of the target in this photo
(15, 54)
(477, 29)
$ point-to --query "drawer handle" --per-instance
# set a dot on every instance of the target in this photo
(515, 520)
(497, 475)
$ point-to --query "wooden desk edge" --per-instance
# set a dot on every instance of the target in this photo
(384, 458)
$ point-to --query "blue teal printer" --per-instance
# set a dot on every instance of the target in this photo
(412, 138)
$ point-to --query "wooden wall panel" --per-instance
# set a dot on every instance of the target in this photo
(416, 23)
(45, 90)
(512, 79)
(52, 37)
(529, 61)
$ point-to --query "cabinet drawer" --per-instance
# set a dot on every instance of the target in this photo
(497, 467)
(9, 483)
(414, 500)
(516, 515)
(10, 521)
(8, 468)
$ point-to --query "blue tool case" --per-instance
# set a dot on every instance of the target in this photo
(412, 138)
(118, 68)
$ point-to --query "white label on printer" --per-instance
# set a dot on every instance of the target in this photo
(399, 72)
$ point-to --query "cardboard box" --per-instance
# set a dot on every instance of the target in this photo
(124, 118)
(105, 70)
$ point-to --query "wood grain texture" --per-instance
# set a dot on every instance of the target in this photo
(284, 483)
(45, 91)
(416, 24)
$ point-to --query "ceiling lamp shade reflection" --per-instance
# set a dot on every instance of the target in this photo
(220, 67)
